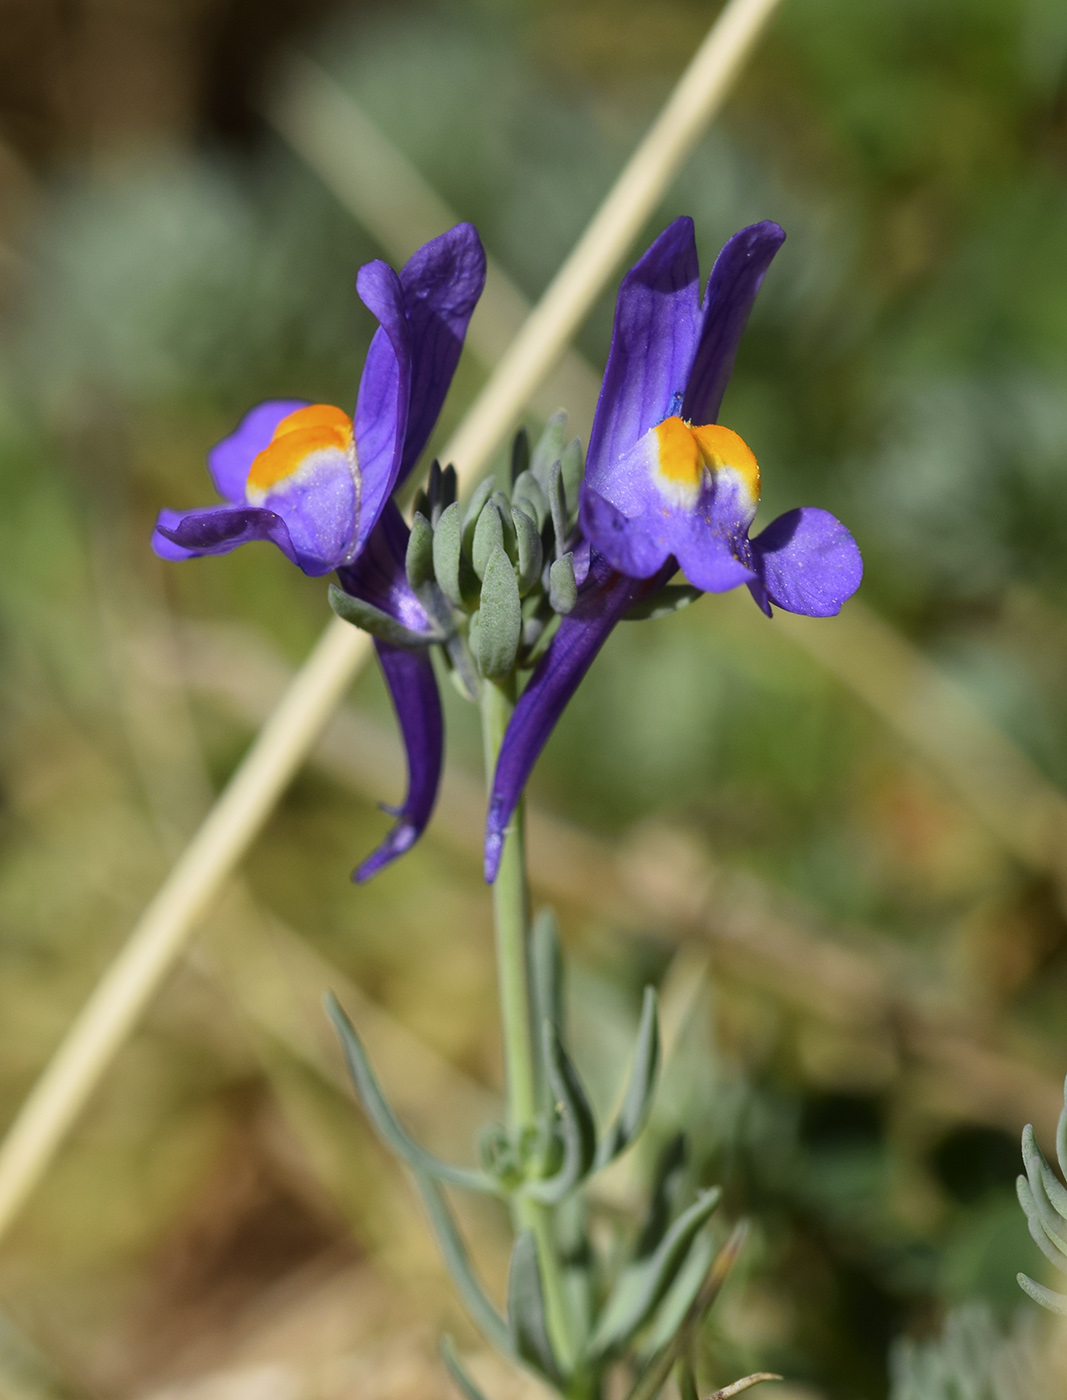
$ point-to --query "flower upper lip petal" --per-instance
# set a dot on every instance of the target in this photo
(423, 313)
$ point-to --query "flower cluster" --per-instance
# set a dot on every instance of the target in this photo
(524, 583)
(319, 484)
(536, 576)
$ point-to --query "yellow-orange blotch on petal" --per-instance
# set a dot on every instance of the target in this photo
(684, 452)
(298, 435)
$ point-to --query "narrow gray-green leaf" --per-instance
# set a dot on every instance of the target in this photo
(531, 554)
(1054, 1302)
(562, 585)
(455, 1369)
(576, 1124)
(1050, 1242)
(526, 1309)
(679, 1298)
(1047, 1191)
(641, 1286)
(639, 1089)
(653, 1378)
(496, 640)
(384, 1119)
(670, 1172)
(1061, 1134)
(671, 598)
(454, 1253)
(379, 624)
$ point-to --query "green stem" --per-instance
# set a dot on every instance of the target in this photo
(511, 916)
(512, 919)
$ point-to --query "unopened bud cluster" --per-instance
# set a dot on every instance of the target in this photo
(493, 574)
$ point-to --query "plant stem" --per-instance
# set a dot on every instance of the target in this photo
(512, 920)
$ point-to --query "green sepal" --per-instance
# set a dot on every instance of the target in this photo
(495, 641)
(549, 447)
(531, 555)
(459, 1376)
(671, 1314)
(528, 494)
(418, 560)
(502, 501)
(520, 454)
(379, 624)
(562, 585)
(448, 553)
(640, 1086)
(1046, 1297)
(456, 1260)
(572, 469)
(641, 1286)
(526, 1309)
(385, 1120)
(488, 535)
(558, 507)
(577, 1127)
(671, 598)
(475, 505)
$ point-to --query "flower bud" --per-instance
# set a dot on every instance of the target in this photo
(499, 630)
(418, 561)
(447, 553)
(562, 585)
(531, 554)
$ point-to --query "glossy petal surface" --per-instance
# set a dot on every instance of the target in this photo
(384, 393)
(442, 283)
(653, 343)
(217, 530)
(806, 562)
(735, 279)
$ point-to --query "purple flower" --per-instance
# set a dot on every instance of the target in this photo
(319, 484)
(666, 487)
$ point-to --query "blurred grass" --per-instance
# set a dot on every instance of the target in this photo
(905, 368)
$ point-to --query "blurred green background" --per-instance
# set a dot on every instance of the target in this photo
(840, 848)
